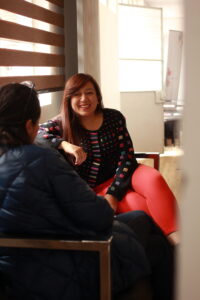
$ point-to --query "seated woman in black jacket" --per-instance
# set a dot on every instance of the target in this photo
(41, 195)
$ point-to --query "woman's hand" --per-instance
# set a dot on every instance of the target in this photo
(79, 154)
(112, 201)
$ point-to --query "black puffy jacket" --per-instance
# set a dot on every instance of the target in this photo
(41, 195)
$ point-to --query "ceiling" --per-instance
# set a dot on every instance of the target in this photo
(172, 8)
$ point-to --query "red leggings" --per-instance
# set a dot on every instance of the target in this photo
(149, 192)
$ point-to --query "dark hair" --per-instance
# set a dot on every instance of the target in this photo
(18, 103)
(71, 129)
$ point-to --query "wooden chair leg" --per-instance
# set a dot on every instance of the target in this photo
(105, 273)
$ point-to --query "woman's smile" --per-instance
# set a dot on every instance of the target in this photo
(84, 102)
(84, 106)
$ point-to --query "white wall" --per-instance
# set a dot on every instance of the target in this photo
(109, 55)
(173, 19)
(88, 37)
(144, 116)
(144, 120)
(51, 110)
(189, 268)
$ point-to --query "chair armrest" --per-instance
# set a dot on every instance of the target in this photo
(102, 246)
(150, 155)
(61, 244)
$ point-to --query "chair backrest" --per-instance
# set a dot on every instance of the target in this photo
(150, 155)
(102, 246)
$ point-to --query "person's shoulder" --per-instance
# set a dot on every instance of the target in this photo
(44, 152)
(112, 111)
(43, 162)
(114, 114)
(49, 158)
(33, 152)
(26, 155)
(55, 122)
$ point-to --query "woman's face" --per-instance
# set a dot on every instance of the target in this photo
(84, 101)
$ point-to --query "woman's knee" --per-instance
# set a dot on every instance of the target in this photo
(146, 179)
(145, 174)
(132, 201)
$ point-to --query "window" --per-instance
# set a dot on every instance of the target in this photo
(32, 43)
(140, 48)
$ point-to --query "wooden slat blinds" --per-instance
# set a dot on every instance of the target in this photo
(57, 2)
(23, 58)
(20, 41)
(33, 11)
(11, 30)
(48, 81)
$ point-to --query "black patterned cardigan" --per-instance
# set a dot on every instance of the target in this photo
(109, 150)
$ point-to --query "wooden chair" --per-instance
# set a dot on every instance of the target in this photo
(150, 155)
(102, 246)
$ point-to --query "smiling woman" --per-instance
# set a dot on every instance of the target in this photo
(97, 143)
(85, 101)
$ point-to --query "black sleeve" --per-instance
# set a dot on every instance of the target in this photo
(127, 162)
(49, 134)
(76, 199)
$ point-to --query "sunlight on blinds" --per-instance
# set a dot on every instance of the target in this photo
(14, 71)
(32, 43)
(27, 46)
(26, 21)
